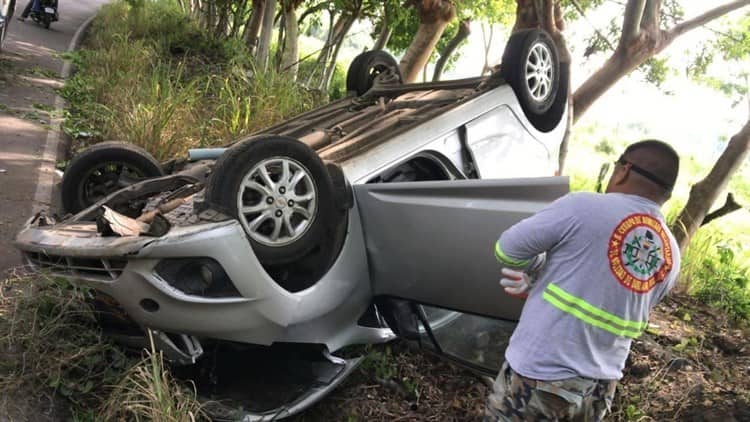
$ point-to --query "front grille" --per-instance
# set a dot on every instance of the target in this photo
(104, 269)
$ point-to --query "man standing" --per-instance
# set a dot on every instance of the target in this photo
(609, 259)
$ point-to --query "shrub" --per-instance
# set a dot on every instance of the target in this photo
(715, 275)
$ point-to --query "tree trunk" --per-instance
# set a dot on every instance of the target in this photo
(266, 31)
(704, 193)
(464, 29)
(238, 18)
(222, 24)
(383, 37)
(563, 152)
(487, 43)
(290, 56)
(280, 37)
(434, 16)
(385, 30)
(338, 40)
(320, 62)
(210, 16)
(253, 25)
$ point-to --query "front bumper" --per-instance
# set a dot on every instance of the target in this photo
(263, 313)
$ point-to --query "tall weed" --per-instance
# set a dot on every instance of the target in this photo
(155, 79)
(51, 342)
(156, 113)
(247, 101)
(149, 393)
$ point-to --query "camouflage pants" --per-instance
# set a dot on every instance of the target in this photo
(516, 398)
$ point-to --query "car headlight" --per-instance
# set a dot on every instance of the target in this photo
(197, 276)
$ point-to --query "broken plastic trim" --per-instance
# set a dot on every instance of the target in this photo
(135, 192)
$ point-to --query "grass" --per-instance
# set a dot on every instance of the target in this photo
(51, 346)
(51, 343)
(149, 393)
(716, 275)
(156, 80)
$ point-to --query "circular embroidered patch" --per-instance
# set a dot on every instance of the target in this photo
(640, 254)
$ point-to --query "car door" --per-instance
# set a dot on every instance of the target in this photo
(431, 244)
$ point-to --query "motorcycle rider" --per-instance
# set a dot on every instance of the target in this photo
(35, 5)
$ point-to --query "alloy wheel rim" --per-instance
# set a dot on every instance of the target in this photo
(539, 72)
(277, 201)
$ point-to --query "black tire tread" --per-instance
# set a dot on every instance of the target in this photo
(357, 76)
(543, 116)
(95, 154)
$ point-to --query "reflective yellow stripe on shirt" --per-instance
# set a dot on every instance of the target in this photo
(505, 259)
(592, 315)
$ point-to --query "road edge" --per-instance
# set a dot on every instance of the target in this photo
(45, 182)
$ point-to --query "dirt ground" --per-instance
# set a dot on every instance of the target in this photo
(693, 366)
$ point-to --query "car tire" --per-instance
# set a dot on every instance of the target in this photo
(531, 66)
(102, 169)
(363, 70)
(281, 192)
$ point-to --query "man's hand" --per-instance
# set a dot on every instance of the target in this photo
(516, 283)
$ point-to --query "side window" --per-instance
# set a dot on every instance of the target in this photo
(423, 167)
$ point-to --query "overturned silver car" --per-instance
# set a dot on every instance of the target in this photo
(369, 218)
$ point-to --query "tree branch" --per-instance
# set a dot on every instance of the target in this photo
(651, 15)
(729, 206)
(599, 33)
(631, 25)
(710, 15)
(549, 17)
(464, 30)
(310, 10)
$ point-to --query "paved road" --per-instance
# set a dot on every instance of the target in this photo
(29, 74)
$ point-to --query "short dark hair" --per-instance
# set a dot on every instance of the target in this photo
(657, 161)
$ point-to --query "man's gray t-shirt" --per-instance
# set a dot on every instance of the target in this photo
(610, 259)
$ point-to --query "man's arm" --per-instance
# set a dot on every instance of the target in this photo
(521, 245)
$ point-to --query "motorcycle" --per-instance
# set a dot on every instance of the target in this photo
(44, 12)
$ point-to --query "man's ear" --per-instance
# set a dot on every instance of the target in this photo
(620, 175)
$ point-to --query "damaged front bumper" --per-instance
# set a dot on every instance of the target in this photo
(134, 272)
(200, 283)
(147, 277)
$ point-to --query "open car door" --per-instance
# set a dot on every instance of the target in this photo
(431, 245)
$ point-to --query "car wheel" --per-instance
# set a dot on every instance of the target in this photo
(531, 66)
(280, 191)
(366, 67)
(103, 169)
